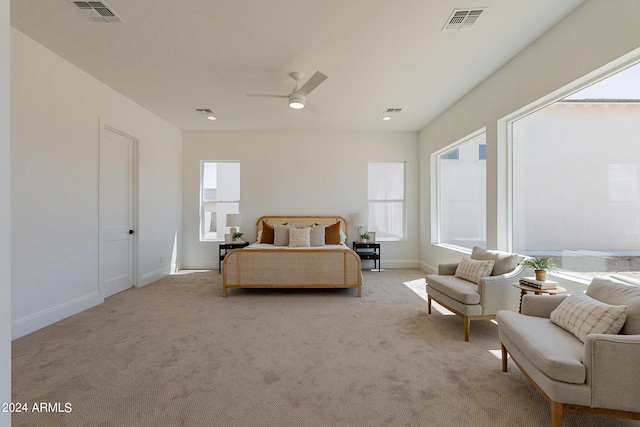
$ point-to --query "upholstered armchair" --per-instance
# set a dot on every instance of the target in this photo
(581, 351)
(478, 286)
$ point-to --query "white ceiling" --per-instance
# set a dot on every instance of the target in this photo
(172, 57)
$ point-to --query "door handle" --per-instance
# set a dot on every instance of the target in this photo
(131, 231)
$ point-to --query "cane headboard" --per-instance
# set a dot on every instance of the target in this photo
(304, 221)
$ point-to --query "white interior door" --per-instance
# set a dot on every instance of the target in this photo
(116, 212)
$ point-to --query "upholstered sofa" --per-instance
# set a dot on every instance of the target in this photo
(478, 286)
(570, 349)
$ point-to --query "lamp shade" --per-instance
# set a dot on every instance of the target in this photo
(359, 220)
(233, 220)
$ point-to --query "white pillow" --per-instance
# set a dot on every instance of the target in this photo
(582, 315)
(472, 270)
(300, 237)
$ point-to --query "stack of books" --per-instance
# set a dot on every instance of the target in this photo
(538, 284)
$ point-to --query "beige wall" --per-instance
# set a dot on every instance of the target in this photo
(593, 36)
(299, 173)
(56, 109)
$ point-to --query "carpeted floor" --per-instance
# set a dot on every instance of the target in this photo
(175, 353)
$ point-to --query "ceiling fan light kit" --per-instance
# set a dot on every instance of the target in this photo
(298, 96)
(296, 101)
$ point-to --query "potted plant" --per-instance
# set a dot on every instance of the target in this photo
(237, 237)
(364, 237)
(540, 265)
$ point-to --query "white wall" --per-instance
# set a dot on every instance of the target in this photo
(594, 35)
(55, 113)
(5, 217)
(299, 173)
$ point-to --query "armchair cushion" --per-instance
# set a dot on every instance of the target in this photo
(473, 270)
(551, 349)
(459, 290)
(504, 262)
(582, 315)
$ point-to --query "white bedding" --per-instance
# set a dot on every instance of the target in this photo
(270, 246)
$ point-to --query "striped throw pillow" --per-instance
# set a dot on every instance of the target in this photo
(582, 315)
(472, 270)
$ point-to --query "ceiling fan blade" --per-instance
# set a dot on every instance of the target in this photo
(264, 95)
(313, 108)
(312, 83)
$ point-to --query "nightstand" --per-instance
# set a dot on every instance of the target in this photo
(226, 247)
(368, 251)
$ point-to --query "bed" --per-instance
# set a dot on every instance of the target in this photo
(266, 265)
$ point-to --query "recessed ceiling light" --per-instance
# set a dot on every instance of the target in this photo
(386, 118)
(211, 118)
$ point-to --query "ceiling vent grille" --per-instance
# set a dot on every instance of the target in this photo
(463, 19)
(204, 110)
(393, 110)
(96, 11)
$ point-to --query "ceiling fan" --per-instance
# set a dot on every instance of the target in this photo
(298, 96)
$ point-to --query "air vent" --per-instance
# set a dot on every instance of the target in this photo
(463, 19)
(393, 110)
(204, 110)
(96, 11)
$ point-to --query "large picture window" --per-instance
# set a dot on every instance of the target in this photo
(576, 179)
(386, 200)
(219, 195)
(461, 193)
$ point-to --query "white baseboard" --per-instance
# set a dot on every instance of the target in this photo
(367, 264)
(153, 276)
(26, 325)
(428, 268)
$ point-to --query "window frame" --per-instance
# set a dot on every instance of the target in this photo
(203, 201)
(505, 199)
(436, 181)
(403, 202)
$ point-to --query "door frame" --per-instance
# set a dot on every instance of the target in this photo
(134, 200)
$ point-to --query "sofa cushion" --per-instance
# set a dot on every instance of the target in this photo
(615, 292)
(457, 289)
(473, 270)
(554, 351)
(504, 262)
(582, 315)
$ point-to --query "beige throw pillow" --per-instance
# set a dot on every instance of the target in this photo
(504, 262)
(582, 315)
(300, 237)
(281, 235)
(472, 270)
(317, 235)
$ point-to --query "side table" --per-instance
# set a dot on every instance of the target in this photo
(368, 251)
(524, 289)
(227, 247)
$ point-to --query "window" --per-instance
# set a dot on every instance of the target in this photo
(386, 200)
(461, 193)
(220, 195)
(576, 179)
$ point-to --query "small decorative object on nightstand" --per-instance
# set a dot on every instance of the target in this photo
(227, 247)
(368, 251)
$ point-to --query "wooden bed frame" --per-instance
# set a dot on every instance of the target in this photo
(293, 268)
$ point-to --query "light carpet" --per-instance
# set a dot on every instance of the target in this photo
(175, 353)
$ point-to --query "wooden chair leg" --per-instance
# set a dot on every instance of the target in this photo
(467, 326)
(556, 414)
(505, 356)
(429, 303)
